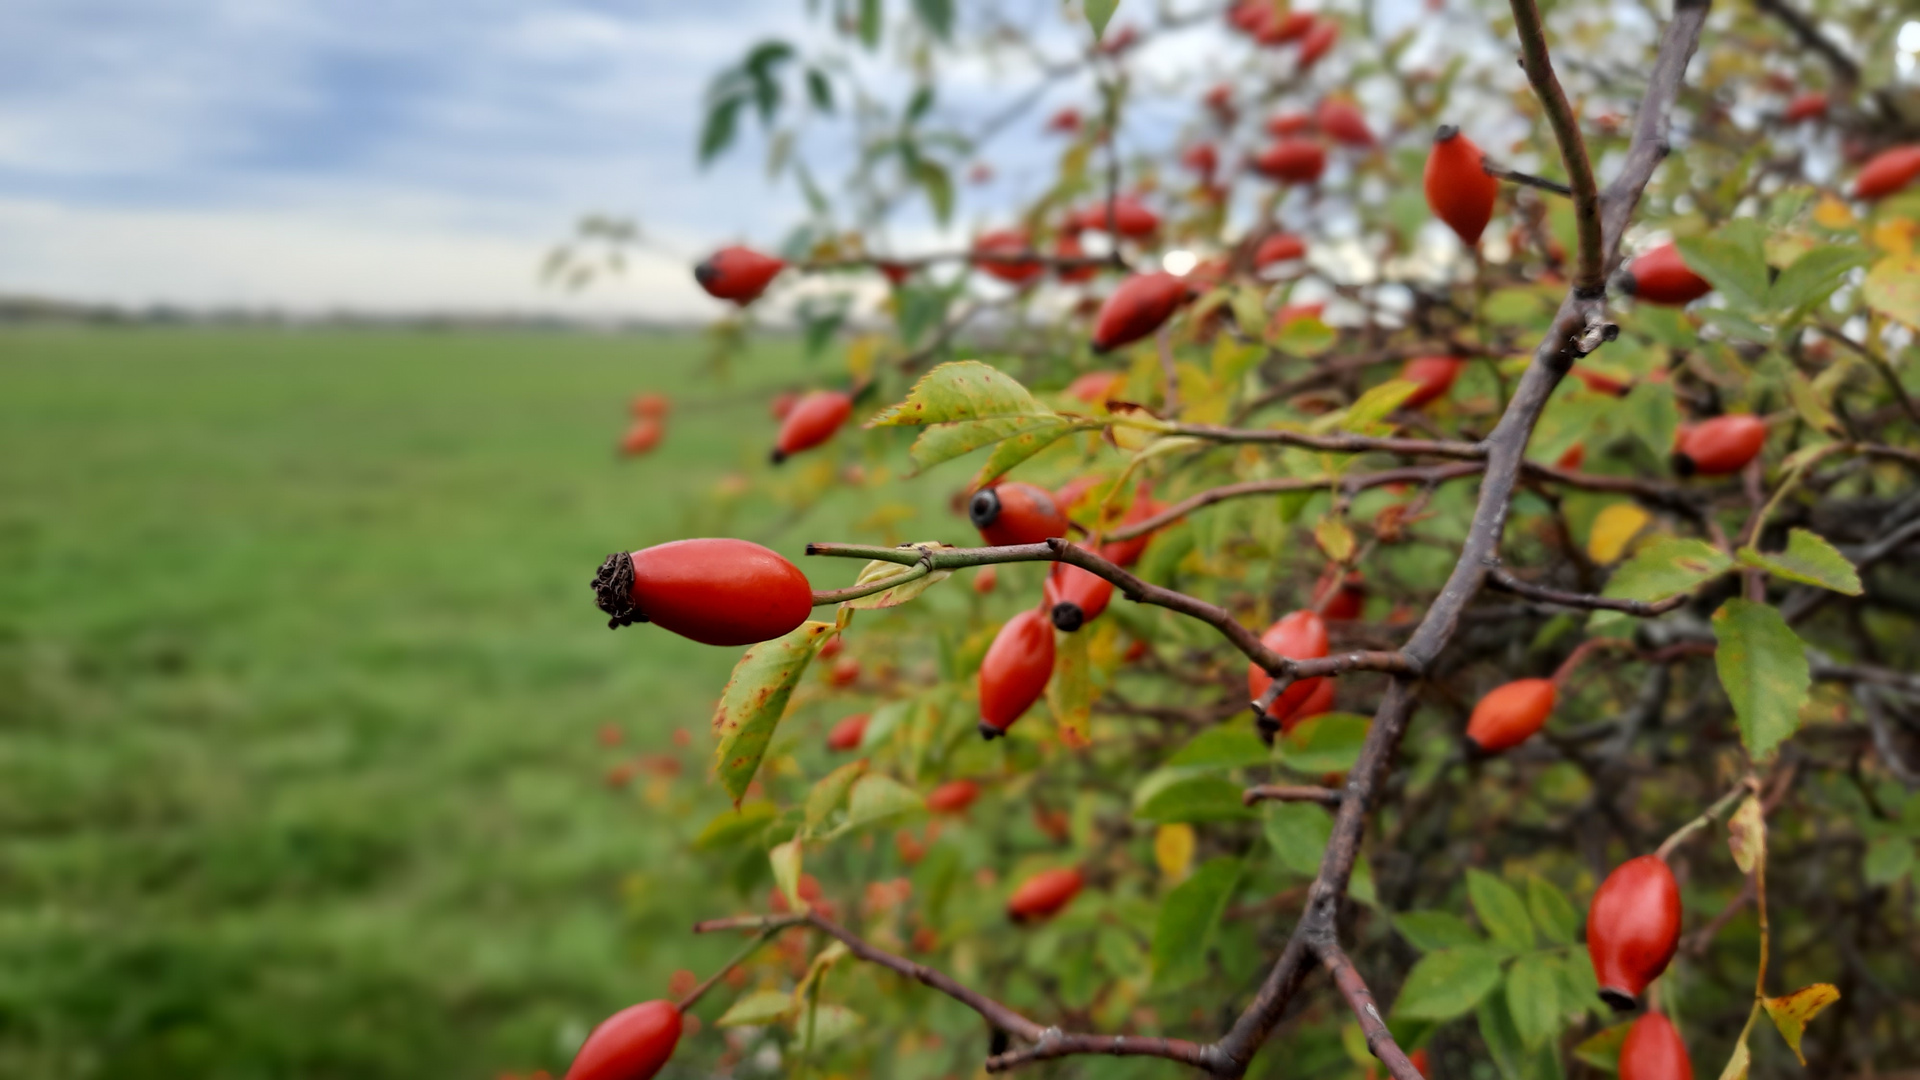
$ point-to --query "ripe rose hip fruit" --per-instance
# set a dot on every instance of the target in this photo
(812, 421)
(1318, 42)
(738, 274)
(1301, 635)
(1141, 305)
(846, 734)
(1041, 896)
(1292, 122)
(652, 405)
(1293, 161)
(1065, 122)
(986, 580)
(1888, 172)
(1201, 158)
(1434, 375)
(1633, 928)
(1343, 122)
(1067, 246)
(953, 797)
(1278, 248)
(1317, 703)
(1459, 191)
(1016, 513)
(1127, 552)
(1015, 671)
(1096, 386)
(1130, 218)
(1007, 255)
(1719, 446)
(717, 591)
(1653, 1051)
(643, 436)
(1808, 106)
(1602, 383)
(844, 672)
(1275, 30)
(632, 1044)
(1510, 714)
(1575, 457)
(1349, 594)
(1661, 277)
(1075, 597)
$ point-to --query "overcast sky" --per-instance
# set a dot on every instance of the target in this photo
(406, 154)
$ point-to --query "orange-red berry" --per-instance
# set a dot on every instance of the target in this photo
(1041, 896)
(717, 591)
(1661, 277)
(1349, 594)
(1075, 597)
(1293, 161)
(643, 436)
(812, 421)
(1343, 122)
(1432, 375)
(1719, 446)
(1278, 248)
(953, 797)
(1459, 191)
(1201, 158)
(1015, 671)
(1130, 218)
(1653, 1051)
(1067, 246)
(1008, 255)
(1633, 928)
(738, 274)
(1016, 513)
(632, 1044)
(1141, 305)
(1510, 714)
(1808, 106)
(846, 734)
(1301, 635)
(1318, 42)
(1888, 172)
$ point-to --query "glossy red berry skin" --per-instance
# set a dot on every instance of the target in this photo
(1292, 122)
(1349, 595)
(1459, 191)
(1065, 122)
(1653, 1051)
(1633, 928)
(643, 436)
(1142, 304)
(1575, 457)
(738, 274)
(1661, 277)
(1719, 446)
(1041, 896)
(1067, 246)
(1343, 122)
(846, 734)
(1130, 218)
(812, 421)
(1434, 375)
(1127, 552)
(1015, 671)
(1096, 386)
(717, 591)
(1602, 383)
(652, 405)
(1201, 158)
(1016, 513)
(1278, 248)
(1292, 161)
(1888, 172)
(1301, 635)
(632, 1044)
(1075, 597)
(1318, 42)
(953, 797)
(1007, 255)
(1510, 714)
(1808, 106)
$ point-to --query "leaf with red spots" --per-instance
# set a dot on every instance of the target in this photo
(755, 699)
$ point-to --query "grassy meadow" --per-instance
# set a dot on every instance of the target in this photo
(302, 695)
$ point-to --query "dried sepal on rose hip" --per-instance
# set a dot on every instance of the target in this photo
(1074, 597)
(717, 591)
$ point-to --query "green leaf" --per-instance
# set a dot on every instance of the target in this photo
(1025, 436)
(1099, 13)
(1502, 1037)
(1188, 918)
(1602, 1049)
(1893, 287)
(1229, 746)
(967, 405)
(822, 1024)
(735, 826)
(1810, 560)
(1378, 403)
(1811, 405)
(1665, 568)
(879, 570)
(1814, 275)
(877, 798)
(1747, 835)
(820, 90)
(1305, 336)
(1552, 915)
(1533, 998)
(1763, 667)
(1501, 910)
(760, 1008)
(1889, 858)
(830, 791)
(934, 180)
(1739, 1061)
(1326, 743)
(1651, 413)
(1299, 833)
(755, 699)
(1791, 1012)
(723, 121)
(785, 861)
(870, 23)
(1448, 983)
(1012, 451)
(1070, 691)
(1194, 798)
(1740, 275)
(936, 16)
(1430, 931)
(1737, 325)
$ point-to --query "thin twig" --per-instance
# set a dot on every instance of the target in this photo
(1291, 793)
(1360, 999)
(1504, 581)
(1589, 275)
(1515, 176)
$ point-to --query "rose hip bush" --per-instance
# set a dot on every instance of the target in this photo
(1473, 633)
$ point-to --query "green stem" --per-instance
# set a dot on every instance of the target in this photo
(767, 930)
(1720, 806)
(855, 592)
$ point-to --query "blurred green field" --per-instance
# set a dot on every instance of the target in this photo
(300, 686)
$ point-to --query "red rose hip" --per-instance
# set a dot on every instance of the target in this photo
(811, 421)
(1661, 277)
(1015, 671)
(1432, 375)
(1633, 928)
(632, 1044)
(846, 734)
(1459, 191)
(1301, 635)
(1278, 248)
(738, 274)
(1653, 1051)
(953, 797)
(1016, 513)
(1510, 714)
(1293, 161)
(1041, 896)
(717, 591)
(1719, 446)
(1141, 305)
(1888, 172)
(1075, 597)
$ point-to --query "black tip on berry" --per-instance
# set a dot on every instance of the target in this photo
(777, 456)
(1473, 750)
(1620, 1000)
(613, 591)
(1067, 617)
(706, 273)
(989, 732)
(1683, 465)
(1445, 132)
(1624, 282)
(984, 507)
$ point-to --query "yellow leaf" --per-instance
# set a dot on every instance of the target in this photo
(1831, 213)
(1613, 529)
(1747, 836)
(1893, 288)
(1895, 235)
(1173, 850)
(861, 352)
(1737, 1064)
(1791, 1012)
(1334, 538)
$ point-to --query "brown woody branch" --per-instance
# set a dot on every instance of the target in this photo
(1292, 793)
(1506, 582)
(1589, 278)
(1420, 474)
(1809, 35)
(1360, 1000)
(1515, 176)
